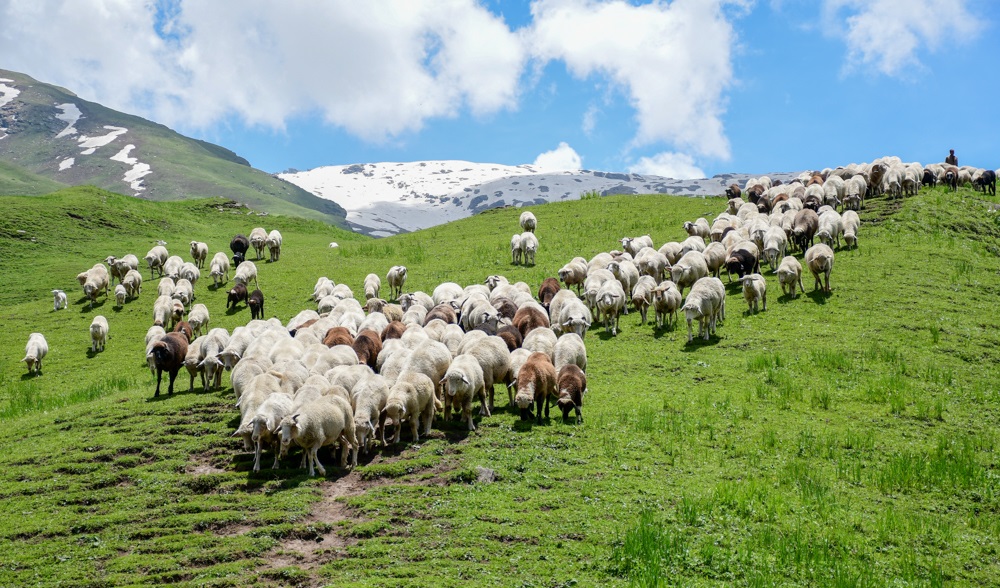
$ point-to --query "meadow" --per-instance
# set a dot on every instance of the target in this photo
(837, 440)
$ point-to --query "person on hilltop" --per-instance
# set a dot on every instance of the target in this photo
(951, 159)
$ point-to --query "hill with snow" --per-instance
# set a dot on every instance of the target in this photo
(383, 199)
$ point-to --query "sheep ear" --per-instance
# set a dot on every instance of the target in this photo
(295, 419)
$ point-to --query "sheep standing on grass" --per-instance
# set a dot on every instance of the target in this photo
(852, 222)
(34, 352)
(219, 269)
(59, 300)
(273, 243)
(239, 245)
(754, 291)
(706, 302)
(571, 386)
(155, 259)
(528, 221)
(245, 272)
(642, 296)
(819, 258)
(319, 422)
(529, 247)
(463, 382)
(97, 281)
(258, 237)
(256, 303)
(536, 384)
(266, 427)
(634, 244)
(121, 293)
(372, 286)
(198, 318)
(610, 301)
(396, 278)
(168, 355)
(790, 274)
(199, 251)
(133, 283)
(369, 396)
(666, 302)
(411, 399)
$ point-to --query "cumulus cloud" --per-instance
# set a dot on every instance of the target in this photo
(562, 158)
(669, 165)
(671, 59)
(374, 69)
(887, 35)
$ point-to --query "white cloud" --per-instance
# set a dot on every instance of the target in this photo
(887, 35)
(669, 165)
(590, 119)
(672, 60)
(562, 158)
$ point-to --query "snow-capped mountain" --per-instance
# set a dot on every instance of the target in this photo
(383, 199)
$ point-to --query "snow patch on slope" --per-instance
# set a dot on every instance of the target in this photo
(91, 144)
(66, 163)
(133, 177)
(70, 114)
(7, 93)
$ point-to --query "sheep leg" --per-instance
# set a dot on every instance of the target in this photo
(275, 447)
(467, 413)
(579, 415)
(414, 426)
(256, 455)
(381, 428)
(538, 409)
(159, 376)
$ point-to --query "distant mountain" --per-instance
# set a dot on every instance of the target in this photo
(382, 199)
(49, 138)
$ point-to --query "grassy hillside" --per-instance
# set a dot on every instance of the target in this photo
(182, 168)
(844, 440)
(16, 180)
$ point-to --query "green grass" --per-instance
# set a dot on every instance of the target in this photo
(841, 440)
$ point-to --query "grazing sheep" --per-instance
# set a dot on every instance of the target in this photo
(155, 259)
(120, 294)
(34, 352)
(245, 272)
(852, 222)
(536, 383)
(666, 302)
(987, 182)
(273, 244)
(97, 281)
(239, 245)
(185, 328)
(571, 386)
(219, 269)
(192, 362)
(319, 422)
(611, 303)
(754, 291)
(775, 243)
(266, 426)
(162, 310)
(510, 335)
(528, 221)
(547, 290)
(256, 303)
(59, 300)
(529, 247)
(699, 228)
(199, 251)
(690, 268)
(692, 244)
(165, 287)
(211, 358)
(574, 273)
(396, 278)
(258, 238)
(236, 295)
(198, 318)
(529, 318)
(707, 303)
(168, 355)
(367, 345)
(642, 296)
(411, 398)
(804, 228)
(634, 244)
(372, 285)
(443, 312)
(462, 383)
(819, 258)
(790, 273)
(369, 395)
(133, 283)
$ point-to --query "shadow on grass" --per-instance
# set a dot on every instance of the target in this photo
(233, 310)
(697, 343)
(819, 296)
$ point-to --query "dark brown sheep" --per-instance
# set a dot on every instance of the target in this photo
(506, 307)
(528, 318)
(308, 323)
(488, 328)
(875, 175)
(742, 262)
(733, 191)
(236, 295)
(367, 345)
(547, 290)
(804, 228)
(536, 383)
(988, 182)
(394, 330)
(511, 336)
(184, 328)
(239, 245)
(815, 179)
(338, 336)
(256, 303)
(571, 387)
(442, 311)
(951, 177)
(168, 355)
(755, 192)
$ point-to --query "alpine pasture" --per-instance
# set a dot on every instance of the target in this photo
(846, 439)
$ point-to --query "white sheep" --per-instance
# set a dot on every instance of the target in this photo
(162, 309)
(831, 226)
(412, 398)
(651, 262)
(570, 349)
(790, 274)
(692, 244)
(133, 283)
(529, 247)
(698, 228)
(97, 280)
(266, 424)
(754, 291)
(198, 318)
(572, 316)
(219, 269)
(245, 272)
(258, 237)
(706, 302)
(165, 287)
(369, 395)
(819, 258)
(541, 340)
(34, 352)
(852, 222)
(172, 266)
(666, 302)
(715, 257)
(610, 302)
(396, 278)
(642, 298)
(199, 251)
(372, 285)
(494, 360)
(627, 275)
(120, 294)
(324, 287)
(634, 244)
(323, 421)
(59, 300)
(98, 333)
(515, 249)
(462, 383)
(574, 273)
(155, 259)
(528, 221)
(775, 245)
(690, 268)
(190, 272)
(273, 243)
(183, 292)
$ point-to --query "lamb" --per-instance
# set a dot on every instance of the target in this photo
(34, 353)
(256, 303)
(155, 259)
(754, 291)
(536, 383)
(168, 355)
(699, 228)
(790, 273)
(133, 283)
(666, 301)
(369, 395)
(266, 426)
(528, 221)
(198, 318)
(245, 272)
(183, 292)
(236, 295)
(851, 223)
(120, 294)
(412, 398)
(571, 386)
(707, 303)
(574, 273)
(690, 268)
(642, 296)
(634, 244)
(462, 383)
(59, 300)
(258, 237)
(515, 249)
(611, 302)
(396, 279)
(529, 247)
(273, 243)
(199, 251)
(319, 422)
(819, 258)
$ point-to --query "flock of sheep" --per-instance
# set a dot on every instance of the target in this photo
(337, 374)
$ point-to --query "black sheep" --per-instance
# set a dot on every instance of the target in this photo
(256, 304)
(236, 295)
(988, 182)
(239, 246)
(168, 355)
(741, 262)
(571, 386)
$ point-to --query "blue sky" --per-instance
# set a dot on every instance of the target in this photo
(681, 88)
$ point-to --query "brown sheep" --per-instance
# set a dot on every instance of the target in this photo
(168, 355)
(256, 303)
(547, 290)
(367, 345)
(184, 328)
(506, 307)
(394, 330)
(804, 228)
(511, 336)
(571, 387)
(304, 325)
(338, 336)
(237, 294)
(442, 311)
(733, 191)
(528, 318)
(536, 383)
